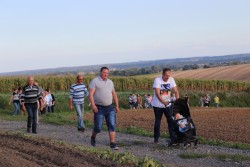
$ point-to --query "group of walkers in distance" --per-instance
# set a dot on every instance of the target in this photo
(103, 101)
(205, 101)
(33, 100)
(137, 102)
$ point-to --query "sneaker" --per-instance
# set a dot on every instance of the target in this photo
(173, 143)
(34, 132)
(28, 130)
(156, 141)
(113, 146)
(81, 129)
(92, 142)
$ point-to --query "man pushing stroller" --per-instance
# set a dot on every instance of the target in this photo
(161, 103)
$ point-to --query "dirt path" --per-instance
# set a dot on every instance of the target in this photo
(139, 146)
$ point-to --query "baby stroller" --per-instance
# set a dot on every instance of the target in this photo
(183, 127)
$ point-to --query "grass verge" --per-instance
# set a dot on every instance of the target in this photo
(221, 157)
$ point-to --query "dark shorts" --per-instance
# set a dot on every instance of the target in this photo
(107, 112)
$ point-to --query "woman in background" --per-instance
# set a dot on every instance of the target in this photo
(16, 101)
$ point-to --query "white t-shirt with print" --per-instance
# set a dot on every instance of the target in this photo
(165, 89)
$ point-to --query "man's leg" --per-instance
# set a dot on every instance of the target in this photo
(79, 116)
(158, 115)
(168, 115)
(52, 108)
(82, 115)
(30, 117)
(15, 109)
(34, 120)
(111, 124)
(98, 121)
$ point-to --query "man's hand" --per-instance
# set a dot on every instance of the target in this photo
(23, 107)
(94, 108)
(70, 106)
(42, 106)
(117, 109)
(166, 103)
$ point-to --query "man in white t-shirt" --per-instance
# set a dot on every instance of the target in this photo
(163, 86)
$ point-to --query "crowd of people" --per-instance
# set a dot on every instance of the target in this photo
(205, 101)
(46, 105)
(101, 95)
(137, 102)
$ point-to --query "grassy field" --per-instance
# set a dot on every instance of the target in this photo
(228, 99)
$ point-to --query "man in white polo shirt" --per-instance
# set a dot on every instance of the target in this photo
(101, 95)
(163, 86)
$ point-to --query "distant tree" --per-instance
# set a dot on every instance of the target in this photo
(206, 66)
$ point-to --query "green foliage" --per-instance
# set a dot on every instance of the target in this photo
(216, 142)
(122, 158)
(122, 84)
(222, 157)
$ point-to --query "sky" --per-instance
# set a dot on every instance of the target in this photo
(66, 33)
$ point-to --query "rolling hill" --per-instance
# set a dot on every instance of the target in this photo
(177, 63)
(236, 72)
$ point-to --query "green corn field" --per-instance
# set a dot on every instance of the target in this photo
(125, 84)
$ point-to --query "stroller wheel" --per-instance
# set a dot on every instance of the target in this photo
(195, 144)
(186, 145)
(169, 144)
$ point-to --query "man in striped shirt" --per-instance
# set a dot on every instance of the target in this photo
(77, 93)
(30, 96)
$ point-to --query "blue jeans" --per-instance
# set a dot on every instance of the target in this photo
(47, 109)
(79, 108)
(16, 108)
(158, 116)
(32, 116)
(107, 112)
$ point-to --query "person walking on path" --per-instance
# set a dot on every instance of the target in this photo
(101, 95)
(53, 102)
(39, 108)
(78, 91)
(47, 101)
(15, 101)
(139, 98)
(161, 103)
(217, 101)
(29, 98)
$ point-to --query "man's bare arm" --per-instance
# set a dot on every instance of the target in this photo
(116, 100)
(176, 92)
(92, 101)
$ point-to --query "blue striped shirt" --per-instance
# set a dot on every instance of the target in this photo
(78, 92)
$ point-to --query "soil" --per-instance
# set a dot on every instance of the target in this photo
(19, 151)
